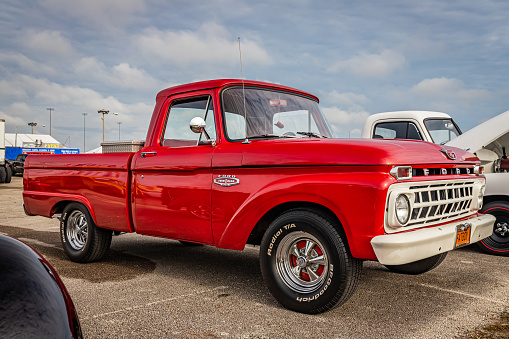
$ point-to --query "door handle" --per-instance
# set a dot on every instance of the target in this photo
(148, 154)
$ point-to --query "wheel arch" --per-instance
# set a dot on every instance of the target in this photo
(38, 203)
(59, 207)
(237, 234)
(492, 198)
(262, 225)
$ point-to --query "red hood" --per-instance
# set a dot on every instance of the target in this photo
(307, 151)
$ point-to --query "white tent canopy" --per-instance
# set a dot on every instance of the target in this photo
(30, 140)
(96, 150)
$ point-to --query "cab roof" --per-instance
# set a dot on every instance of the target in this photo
(219, 83)
(416, 115)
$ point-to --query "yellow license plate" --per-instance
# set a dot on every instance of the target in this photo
(463, 235)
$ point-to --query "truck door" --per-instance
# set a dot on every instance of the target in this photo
(172, 180)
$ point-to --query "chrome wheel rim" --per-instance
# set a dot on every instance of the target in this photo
(77, 230)
(302, 262)
(501, 229)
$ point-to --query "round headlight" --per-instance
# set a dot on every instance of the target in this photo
(402, 209)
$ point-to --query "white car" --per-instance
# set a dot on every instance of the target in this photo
(489, 141)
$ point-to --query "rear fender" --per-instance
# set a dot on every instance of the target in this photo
(37, 203)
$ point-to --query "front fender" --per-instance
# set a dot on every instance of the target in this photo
(497, 184)
(357, 200)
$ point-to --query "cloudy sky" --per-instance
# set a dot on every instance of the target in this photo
(358, 57)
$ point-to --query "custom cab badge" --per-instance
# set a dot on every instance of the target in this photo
(449, 154)
(226, 180)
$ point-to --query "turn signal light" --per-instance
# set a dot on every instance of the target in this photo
(479, 170)
(402, 172)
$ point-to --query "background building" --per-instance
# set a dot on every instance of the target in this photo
(34, 144)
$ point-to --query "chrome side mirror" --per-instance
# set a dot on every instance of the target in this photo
(198, 125)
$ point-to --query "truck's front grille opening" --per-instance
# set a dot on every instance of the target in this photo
(420, 172)
(441, 202)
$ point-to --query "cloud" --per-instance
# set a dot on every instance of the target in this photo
(102, 13)
(121, 75)
(55, 93)
(448, 95)
(25, 64)
(16, 114)
(447, 89)
(210, 44)
(69, 102)
(7, 91)
(346, 114)
(346, 99)
(80, 99)
(371, 65)
(345, 123)
(48, 43)
(341, 117)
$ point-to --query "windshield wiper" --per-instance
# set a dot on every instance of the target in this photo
(312, 134)
(262, 136)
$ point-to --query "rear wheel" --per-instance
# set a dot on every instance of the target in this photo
(418, 267)
(306, 264)
(498, 242)
(81, 239)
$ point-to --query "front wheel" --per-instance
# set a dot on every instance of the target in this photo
(420, 266)
(81, 239)
(498, 242)
(306, 264)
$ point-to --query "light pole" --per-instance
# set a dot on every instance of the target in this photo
(119, 123)
(84, 115)
(50, 109)
(32, 124)
(103, 112)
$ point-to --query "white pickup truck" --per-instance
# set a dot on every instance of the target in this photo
(489, 141)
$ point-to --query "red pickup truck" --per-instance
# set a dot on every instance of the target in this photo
(228, 163)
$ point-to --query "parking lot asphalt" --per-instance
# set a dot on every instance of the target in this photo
(151, 287)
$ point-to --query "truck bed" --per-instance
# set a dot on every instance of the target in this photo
(99, 181)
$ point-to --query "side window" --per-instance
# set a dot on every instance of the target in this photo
(177, 132)
(390, 130)
(413, 132)
(396, 130)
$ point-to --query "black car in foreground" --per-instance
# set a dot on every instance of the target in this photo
(34, 302)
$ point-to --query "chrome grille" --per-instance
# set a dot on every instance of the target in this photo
(439, 202)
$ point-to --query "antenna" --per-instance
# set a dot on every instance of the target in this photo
(243, 94)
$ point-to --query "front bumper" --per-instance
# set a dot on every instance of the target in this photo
(407, 247)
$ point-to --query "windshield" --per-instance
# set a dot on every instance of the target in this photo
(442, 130)
(271, 114)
